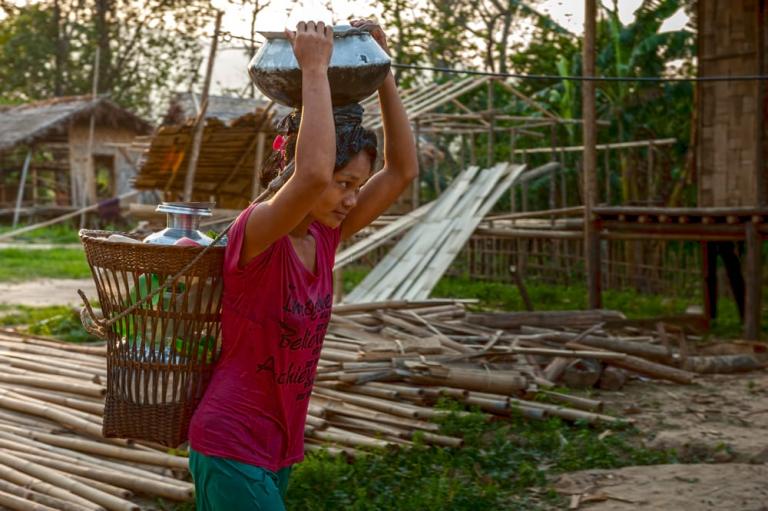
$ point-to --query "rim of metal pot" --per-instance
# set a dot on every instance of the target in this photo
(339, 32)
(187, 208)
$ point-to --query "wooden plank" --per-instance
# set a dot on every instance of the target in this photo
(754, 280)
(189, 179)
(404, 288)
(455, 240)
(380, 237)
(20, 194)
(366, 289)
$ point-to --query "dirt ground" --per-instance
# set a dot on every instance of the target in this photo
(719, 428)
(43, 292)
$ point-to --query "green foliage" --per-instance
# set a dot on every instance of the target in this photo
(59, 233)
(147, 49)
(57, 321)
(23, 264)
(504, 464)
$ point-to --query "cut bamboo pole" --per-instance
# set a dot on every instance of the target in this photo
(54, 477)
(16, 435)
(98, 485)
(583, 403)
(40, 498)
(47, 411)
(27, 481)
(142, 485)
(337, 407)
(10, 501)
(648, 368)
(111, 451)
(343, 437)
(59, 399)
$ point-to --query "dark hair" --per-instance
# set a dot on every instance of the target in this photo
(351, 139)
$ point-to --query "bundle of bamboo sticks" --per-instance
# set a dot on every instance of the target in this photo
(52, 454)
(383, 367)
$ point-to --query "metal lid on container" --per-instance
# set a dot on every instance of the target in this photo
(187, 208)
(338, 32)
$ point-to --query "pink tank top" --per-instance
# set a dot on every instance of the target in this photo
(275, 313)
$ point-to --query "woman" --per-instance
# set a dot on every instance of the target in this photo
(249, 429)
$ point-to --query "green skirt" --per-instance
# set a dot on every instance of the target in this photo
(226, 485)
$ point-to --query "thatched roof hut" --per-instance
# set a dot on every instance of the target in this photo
(236, 139)
(30, 123)
(55, 134)
(186, 105)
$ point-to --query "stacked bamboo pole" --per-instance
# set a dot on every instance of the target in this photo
(52, 454)
(383, 368)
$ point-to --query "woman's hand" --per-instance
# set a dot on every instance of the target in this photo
(375, 30)
(312, 44)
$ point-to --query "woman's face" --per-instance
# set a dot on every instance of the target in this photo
(340, 196)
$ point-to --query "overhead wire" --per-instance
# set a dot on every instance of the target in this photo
(575, 78)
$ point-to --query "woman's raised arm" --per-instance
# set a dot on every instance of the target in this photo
(315, 147)
(400, 164)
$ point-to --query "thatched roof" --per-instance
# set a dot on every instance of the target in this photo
(225, 166)
(32, 122)
(186, 105)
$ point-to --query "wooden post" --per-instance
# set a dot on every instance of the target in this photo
(649, 177)
(415, 195)
(89, 180)
(35, 194)
(754, 274)
(553, 173)
(607, 163)
(256, 186)
(189, 180)
(524, 185)
(706, 288)
(591, 237)
(436, 176)
(20, 194)
(491, 123)
(472, 155)
(513, 188)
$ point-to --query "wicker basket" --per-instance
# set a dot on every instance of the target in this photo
(160, 356)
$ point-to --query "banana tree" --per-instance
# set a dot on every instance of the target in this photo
(639, 49)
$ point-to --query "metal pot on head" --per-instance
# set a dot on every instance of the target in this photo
(357, 69)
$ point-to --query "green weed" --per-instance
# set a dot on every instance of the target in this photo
(504, 464)
(61, 322)
(59, 233)
(18, 264)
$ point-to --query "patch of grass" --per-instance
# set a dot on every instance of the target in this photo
(17, 264)
(504, 464)
(58, 233)
(61, 322)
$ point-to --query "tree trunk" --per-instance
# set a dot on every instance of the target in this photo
(504, 40)
(60, 55)
(103, 10)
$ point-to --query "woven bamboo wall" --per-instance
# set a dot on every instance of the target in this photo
(731, 134)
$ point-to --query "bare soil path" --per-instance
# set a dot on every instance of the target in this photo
(719, 429)
(726, 487)
(45, 292)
